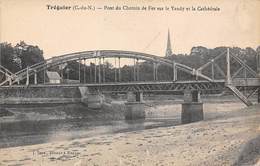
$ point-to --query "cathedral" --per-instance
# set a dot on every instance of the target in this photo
(168, 48)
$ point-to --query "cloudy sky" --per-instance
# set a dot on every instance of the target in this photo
(66, 31)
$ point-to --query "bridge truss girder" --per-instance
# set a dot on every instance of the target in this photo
(156, 87)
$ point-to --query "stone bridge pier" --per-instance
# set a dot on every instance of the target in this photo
(192, 108)
(134, 106)
(258, 98)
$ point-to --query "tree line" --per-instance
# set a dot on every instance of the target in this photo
(18, 57)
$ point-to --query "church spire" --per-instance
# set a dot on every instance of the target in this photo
(169, 48)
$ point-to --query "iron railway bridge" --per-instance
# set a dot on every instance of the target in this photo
(218, 79)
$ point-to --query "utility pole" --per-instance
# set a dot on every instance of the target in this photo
(258, 71)
(258, 61)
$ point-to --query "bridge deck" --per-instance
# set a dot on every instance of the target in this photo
(116, 83)
(151, 86)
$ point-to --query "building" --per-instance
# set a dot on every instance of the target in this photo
(168, 48)
(53, 77)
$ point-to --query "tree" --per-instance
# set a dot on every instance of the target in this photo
(29, 54)
(8, 58)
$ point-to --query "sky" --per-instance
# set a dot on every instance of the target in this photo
(66, 31)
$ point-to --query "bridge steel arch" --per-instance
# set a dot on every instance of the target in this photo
(54, 61)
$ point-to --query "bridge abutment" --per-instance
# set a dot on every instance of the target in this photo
(192, 108)
(134, 106)
(91, 100)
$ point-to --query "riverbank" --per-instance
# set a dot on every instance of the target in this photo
(221, 139)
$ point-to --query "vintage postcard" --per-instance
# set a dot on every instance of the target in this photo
(136, 82)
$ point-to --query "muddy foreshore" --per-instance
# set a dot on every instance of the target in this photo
(108, 111)
(48, 112)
